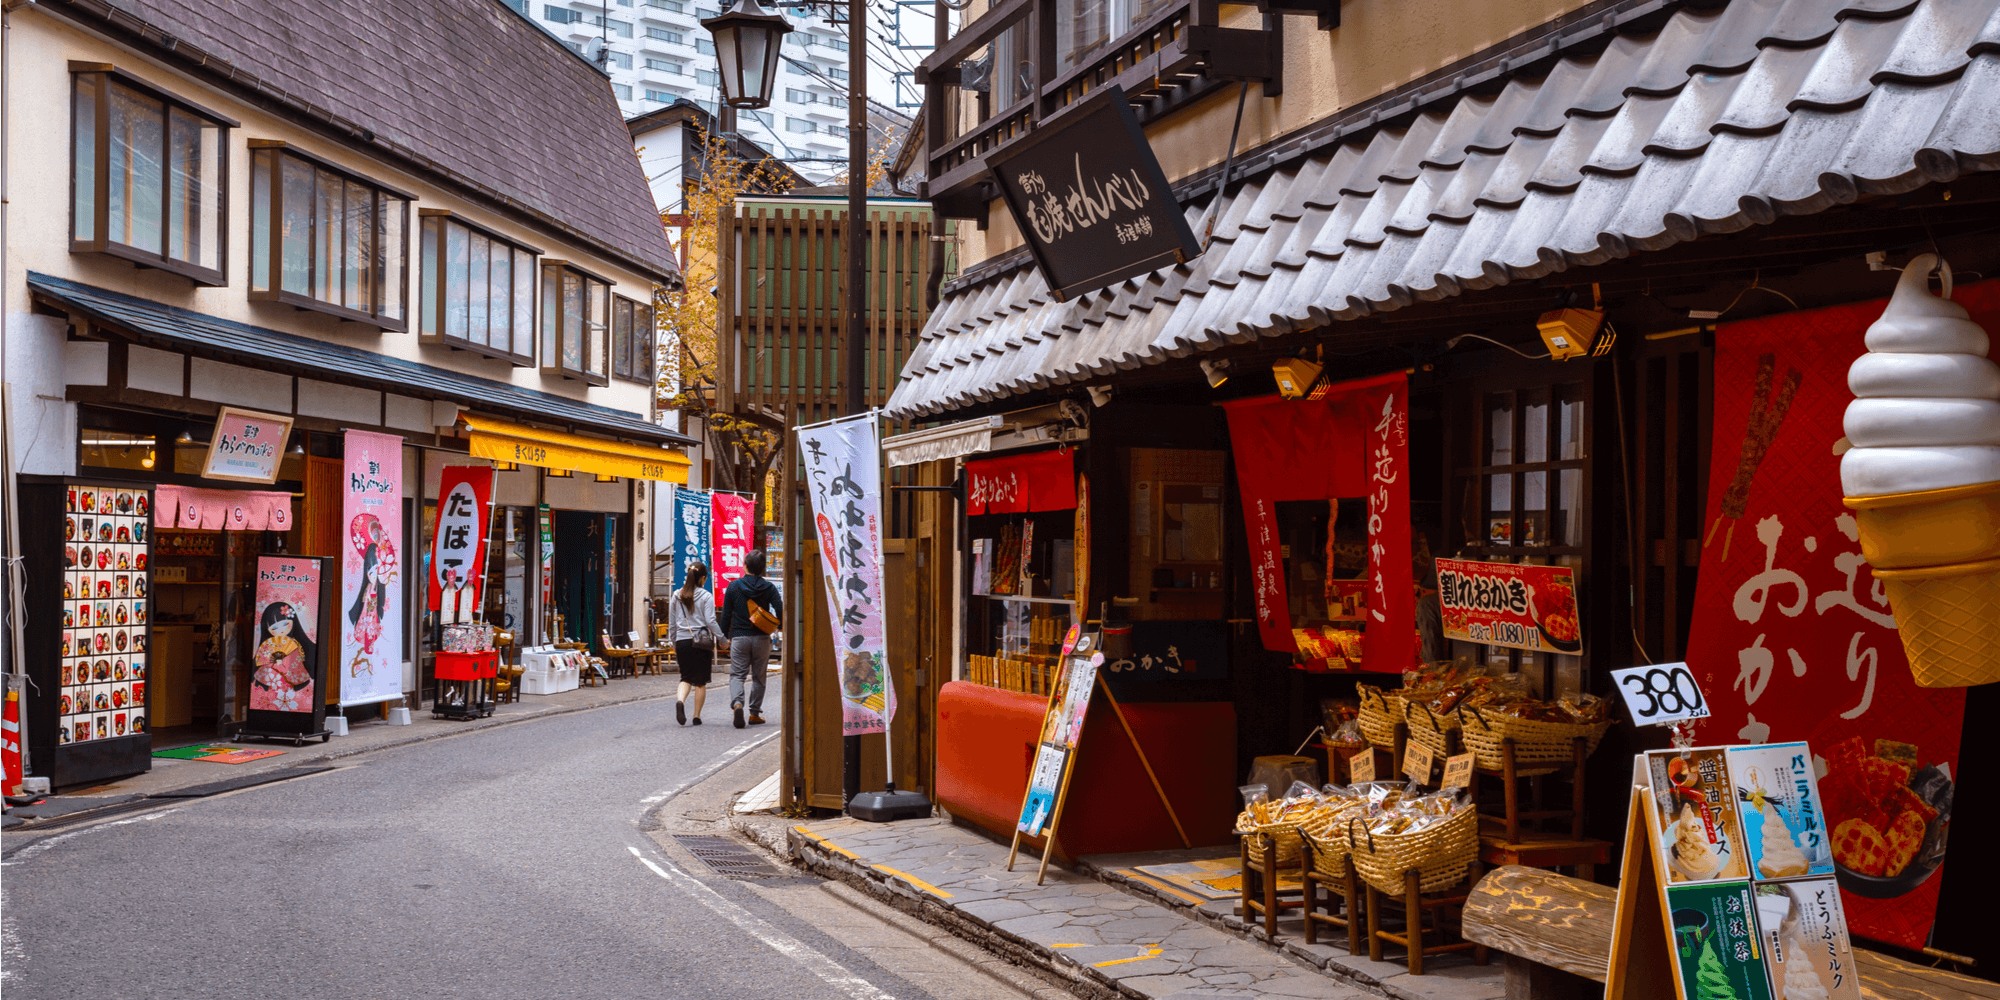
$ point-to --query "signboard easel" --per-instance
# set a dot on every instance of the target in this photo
(1055, 758)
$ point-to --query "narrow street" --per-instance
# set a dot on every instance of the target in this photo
(522, 861)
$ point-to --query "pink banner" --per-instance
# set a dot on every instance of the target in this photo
(190, 508)
(730, 526)
(287, 634)
(371, 594)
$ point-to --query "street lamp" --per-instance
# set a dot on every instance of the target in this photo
(747, 37)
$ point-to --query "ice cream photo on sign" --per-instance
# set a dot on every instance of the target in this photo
(1784, 827)
(1922, 475)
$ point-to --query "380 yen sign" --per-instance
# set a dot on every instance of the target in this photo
(1661, 693)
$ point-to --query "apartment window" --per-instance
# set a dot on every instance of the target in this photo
(704, 46)
(622, 60)
(707, 77)
(520, 7)
(660, 95)
(662, 34)
(711, 107)
(576, 323)
(705, 13)
(664, 66)
(673, 5)
(624, 92)
(837, 130)
(799, 125)
(836, 72)
(326, 240)
(477, 289)
(801, 96)
(632, 340)
(560, 15)
(622, 29)
(148, 177)
(836, 44)
(793, 66)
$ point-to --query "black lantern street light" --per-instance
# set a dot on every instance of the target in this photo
(747, 37)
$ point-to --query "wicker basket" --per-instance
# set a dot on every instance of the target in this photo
(1440, 853)
(1329, 848)
(1429, 728)
(1535, 743)
(1378, 716)
(1290, 845)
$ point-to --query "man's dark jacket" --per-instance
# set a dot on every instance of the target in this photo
(735, 618)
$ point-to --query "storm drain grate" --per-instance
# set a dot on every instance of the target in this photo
(729, 858)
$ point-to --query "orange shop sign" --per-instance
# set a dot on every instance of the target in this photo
(1505, 604)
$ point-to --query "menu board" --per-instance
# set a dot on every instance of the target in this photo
(1717, 941)
(106, 543)
(1778, 800)
(1806, 947)
(1505, 604)
(1701, 831)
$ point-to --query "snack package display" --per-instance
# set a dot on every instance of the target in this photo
(1923, 477)
(1702, 839)
(1778, 798)
(1807, 951)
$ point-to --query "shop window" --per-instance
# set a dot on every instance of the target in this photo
(148, 176)
(576, 323)
(326, 240)
(477, 290)
(632, 340)
(107, 449)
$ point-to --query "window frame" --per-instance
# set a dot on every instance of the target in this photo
(549, 345)
(433, 330)
(100, 241)
(637, 308)
(274, 290)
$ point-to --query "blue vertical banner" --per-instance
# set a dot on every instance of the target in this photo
(691, 512)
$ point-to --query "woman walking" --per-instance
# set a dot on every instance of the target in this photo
(691, 624)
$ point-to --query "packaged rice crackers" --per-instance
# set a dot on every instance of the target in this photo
(1702, 834)
(1805, 943)
(1778, 801)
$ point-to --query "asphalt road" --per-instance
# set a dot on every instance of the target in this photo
(509, 862)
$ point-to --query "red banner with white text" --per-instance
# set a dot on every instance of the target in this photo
(729, 527)
(1019, 484)
(1792, 637)
(458, 544)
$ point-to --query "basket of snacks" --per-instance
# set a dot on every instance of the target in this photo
(1429, 728)
(1436, 835)
(1378, 715)
(1267, 820)
(1542, 732)
(1322, 826)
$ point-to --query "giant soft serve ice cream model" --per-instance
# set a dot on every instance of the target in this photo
(1923, 477)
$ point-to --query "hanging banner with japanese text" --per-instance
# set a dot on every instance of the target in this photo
(1505, 604)
(844, 481)
(458, 547)
(1792, 637)
(371, 591)
(691, 516)
(1354, 442)
(730, 537)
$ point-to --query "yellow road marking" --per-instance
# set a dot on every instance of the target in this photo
(1164, 887)
(1152, 950)
(912, 879)
(828, 844)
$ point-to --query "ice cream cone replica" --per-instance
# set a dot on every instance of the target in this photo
(1923, 478)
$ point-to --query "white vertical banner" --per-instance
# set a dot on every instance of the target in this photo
(843, 461)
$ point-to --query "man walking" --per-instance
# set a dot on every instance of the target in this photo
(751, 610)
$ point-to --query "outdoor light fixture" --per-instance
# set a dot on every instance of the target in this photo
(1569, 333)
(747, 39)
(558, 473)
(1100, 395)
(1298, 378)
(602, 478)
(1217, 373)
(505, 466)
(184, 438)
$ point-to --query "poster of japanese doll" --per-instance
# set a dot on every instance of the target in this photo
(371, 595)
(288, 660)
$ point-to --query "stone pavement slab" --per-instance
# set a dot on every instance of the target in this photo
(1111, 935)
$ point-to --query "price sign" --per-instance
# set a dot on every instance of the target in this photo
(1361, 767)
(1417, 759)
(1660, 694)
(1458, 771)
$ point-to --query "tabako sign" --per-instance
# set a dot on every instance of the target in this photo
(1505, 604)
(1089, 197)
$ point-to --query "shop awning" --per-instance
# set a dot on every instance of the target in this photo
(1722, 120)
(967, 437)
(173, 328)
(510, 442)
(1020, 484)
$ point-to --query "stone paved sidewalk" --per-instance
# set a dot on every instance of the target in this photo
(1108, 940)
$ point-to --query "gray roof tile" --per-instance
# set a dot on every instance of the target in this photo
(1601, 159)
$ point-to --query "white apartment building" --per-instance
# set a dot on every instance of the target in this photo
(656, 52)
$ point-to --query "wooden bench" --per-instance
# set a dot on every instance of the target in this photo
(1556, 934)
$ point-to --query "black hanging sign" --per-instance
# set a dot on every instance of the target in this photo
(1091, 200)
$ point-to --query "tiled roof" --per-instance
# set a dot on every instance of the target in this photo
(465, 90)
(1721, 120)
(272, 350)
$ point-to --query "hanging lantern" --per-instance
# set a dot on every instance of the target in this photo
(747, 37)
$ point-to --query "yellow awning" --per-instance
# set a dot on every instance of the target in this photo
(524, 445)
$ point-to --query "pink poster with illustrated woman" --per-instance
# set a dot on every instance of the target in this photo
(287, 627)
(371, 592)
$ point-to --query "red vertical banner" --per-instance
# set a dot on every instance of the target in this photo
(1792, 637)
(458, 545)
(1390, 638)
(731, 539)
